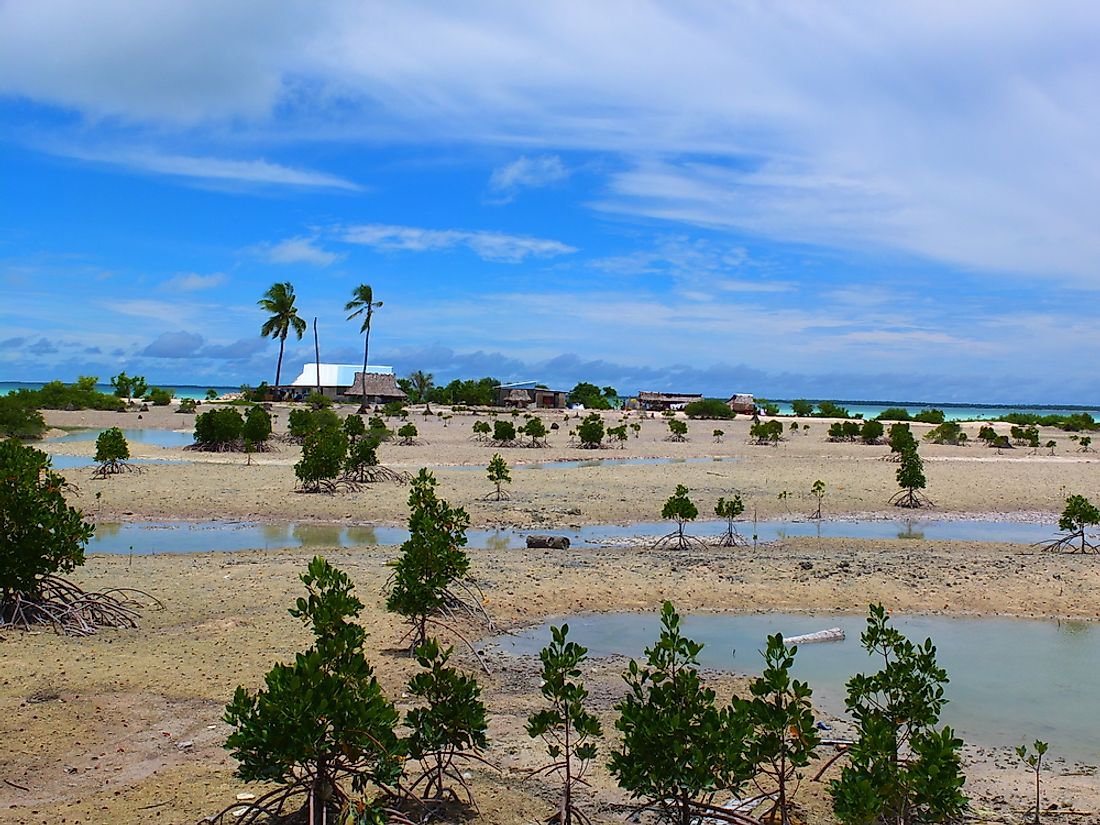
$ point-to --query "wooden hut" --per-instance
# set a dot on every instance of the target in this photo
(742, 403)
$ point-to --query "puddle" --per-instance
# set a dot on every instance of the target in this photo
(150, 437)
(202, 537)
(581, 463)
(1012, 680)
(76, 462)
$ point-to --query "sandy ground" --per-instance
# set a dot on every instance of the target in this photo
(126, 726)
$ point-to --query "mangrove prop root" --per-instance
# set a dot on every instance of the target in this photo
(678, 541)
(112, 468)
(72, 610)
(911, 499)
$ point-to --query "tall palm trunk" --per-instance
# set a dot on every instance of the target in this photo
(279, 364)
(366, 349)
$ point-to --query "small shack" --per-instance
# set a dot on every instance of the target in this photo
(742, 403)
(527, 395)
(381, 388)
(661, 401)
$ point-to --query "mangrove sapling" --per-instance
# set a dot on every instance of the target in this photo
(784, 738)
(818, 492)
(188, 406)
(619, 434)
(111, 454)
(681, 509)
(677, 430)
(1050, 445)
(784, 498)
(450, 726)
(429, 581)
(1079, 514)
(361, 465)
(871, 432)
(499, 476)
(354, 427)
(504, 433)
(42, 536)
(536, 430)
(590, 431)
(321, 729)
(766, 432)
(1034, 760)
(902, 769)
(218, 431)
(321, 468)
(949, 432)
(481, 431)
(408, 434)
(636, 428)
(717, 435)
(911, 480)
(257, 429)
(679, 747)
(566, 727)
(730, 509)
(899, 437)
(1084, 443)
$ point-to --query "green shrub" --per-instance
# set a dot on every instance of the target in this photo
(784, 737)
(766, 432)
(324, 453)
(678, 746)
(802, 408)
(567, 728)
(111, 446)
(318, 401)
(392, 408)
(871, 432)
(536, 431)
(187, 405)
(931, 416)
(160, 397)
(900, 437)
(498, 474)
(827, 409)
(677, 430)
(949, 432)
(218, 429)
(709, 408)
(407, 433)
(321, 722)
(257, 426)
(900, 768)
(894, 414)
(42, 535)
(450, 725)
(504, 432)
(20, 420)
(590, 431)
(79, 396)
(354, 427)
(431, 559)
(127, 386)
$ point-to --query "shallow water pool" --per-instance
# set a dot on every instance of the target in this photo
(151, 437)
(1012, 680)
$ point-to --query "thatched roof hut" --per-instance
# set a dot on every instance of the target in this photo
(742, 403)
(516, 398)
(381, 388)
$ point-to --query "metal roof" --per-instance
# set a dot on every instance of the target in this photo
(334, 375)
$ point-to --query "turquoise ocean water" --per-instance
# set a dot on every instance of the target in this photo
(181, 390)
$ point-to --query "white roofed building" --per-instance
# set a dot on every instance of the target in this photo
(336, 380)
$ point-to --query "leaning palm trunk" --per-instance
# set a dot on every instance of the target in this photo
(366, 350)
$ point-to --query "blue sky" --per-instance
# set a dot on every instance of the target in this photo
(871, 201)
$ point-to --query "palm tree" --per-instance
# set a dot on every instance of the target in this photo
(279, 301)
(422, 383)
(362, 301)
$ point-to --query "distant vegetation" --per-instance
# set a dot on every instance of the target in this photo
(592, 397)
(709, 408)
(19, 419)
(57, 395)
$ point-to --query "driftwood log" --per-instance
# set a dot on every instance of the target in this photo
(550, 542)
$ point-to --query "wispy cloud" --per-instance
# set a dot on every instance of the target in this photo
(212, 169)
(526, 173)
(300, 250)
(489, 246)
(194, 282)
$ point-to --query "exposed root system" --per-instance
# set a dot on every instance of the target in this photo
(114, 468)
(72, 610)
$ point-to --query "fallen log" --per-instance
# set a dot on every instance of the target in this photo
(548, 542)
(833, 634)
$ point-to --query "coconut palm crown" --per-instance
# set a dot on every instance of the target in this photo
(362, 303)
(279, 302)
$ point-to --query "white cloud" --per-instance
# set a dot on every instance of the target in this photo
(490, 246)
(300, 250)
(194, 282)
(526, 173)
(221, 170)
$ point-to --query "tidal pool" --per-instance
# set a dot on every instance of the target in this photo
(76, 462)
(151, 437)
(207, 536)
(1011, 680)
(582, 463)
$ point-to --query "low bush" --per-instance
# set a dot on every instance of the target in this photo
(20, 420)
(160, 397)
(218, 429)
(709, 408)
(82, 395)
